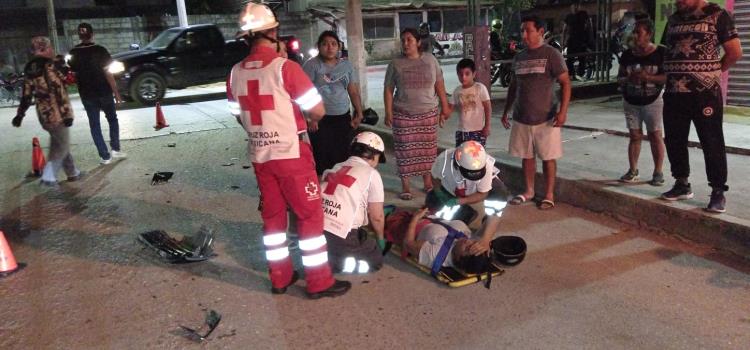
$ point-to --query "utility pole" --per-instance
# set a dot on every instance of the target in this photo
(355, 41)
(181, 13)
(52, 24)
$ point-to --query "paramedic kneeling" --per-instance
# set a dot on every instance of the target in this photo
(352, 194)
(464, 176)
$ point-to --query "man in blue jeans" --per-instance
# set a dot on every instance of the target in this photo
(96, 86)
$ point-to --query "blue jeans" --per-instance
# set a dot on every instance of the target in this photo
(106, 104)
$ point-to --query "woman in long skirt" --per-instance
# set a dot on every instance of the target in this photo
(413, 88)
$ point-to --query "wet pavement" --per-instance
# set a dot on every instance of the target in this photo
(588, 281)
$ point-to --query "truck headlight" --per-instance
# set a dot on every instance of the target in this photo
(116, 67)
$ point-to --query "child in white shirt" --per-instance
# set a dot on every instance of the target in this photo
(474, 102)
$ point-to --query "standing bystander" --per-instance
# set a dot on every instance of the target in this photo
(694, 37)
(96, 85)
(44, 83)
(271, 92)
(474, 102)
(338, 84)
(642, 78)
(413, 89)
(536, 117)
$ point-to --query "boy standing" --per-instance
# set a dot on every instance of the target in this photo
(474, 101)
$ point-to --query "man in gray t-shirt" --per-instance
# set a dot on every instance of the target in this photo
(536, 117)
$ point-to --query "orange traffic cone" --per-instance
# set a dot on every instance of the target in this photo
(8, 264)
(160, 121)
(37, 158)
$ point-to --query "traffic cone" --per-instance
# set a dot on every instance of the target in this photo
(37, 158)
(160, 121)
(8, 264)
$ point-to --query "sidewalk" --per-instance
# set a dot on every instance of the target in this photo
(595, 156)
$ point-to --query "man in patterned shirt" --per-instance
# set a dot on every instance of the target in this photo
(694, 36)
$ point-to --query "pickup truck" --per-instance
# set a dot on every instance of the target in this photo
(178, 58)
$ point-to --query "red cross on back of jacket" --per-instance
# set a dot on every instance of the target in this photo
(266, 87)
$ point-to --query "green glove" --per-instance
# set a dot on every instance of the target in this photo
(445, 197)
(381, 244)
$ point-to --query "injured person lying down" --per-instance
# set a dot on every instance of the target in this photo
(429, 244)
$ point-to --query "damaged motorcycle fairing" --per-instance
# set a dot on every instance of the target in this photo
(188, 249)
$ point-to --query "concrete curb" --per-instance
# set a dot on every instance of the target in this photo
(723, 232)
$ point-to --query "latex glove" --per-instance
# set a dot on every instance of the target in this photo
(446, 198)
(17, 121)
(381, 244)
(68, 122)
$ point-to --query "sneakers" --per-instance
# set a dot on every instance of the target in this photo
(50, 184)
(282, 290)
(657, 179)
(678, 192)
(118, 154)
(105, 161)
(630, 176)
(338, 288)
(717, 202)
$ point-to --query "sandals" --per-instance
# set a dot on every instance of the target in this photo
(405, 196)
(546, 204)
(519, 199)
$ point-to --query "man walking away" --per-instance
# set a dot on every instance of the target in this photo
(44, 84)
(96, 86)
(694, 35)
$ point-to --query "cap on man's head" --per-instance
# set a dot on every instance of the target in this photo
(85, 30)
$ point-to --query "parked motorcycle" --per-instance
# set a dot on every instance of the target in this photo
(503, 71)
(10, 89)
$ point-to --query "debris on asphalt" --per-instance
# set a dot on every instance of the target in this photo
(161, 177)
(245, 167)
(211, 322)
(228, 164)
(188, 249)
(234, 159)
(172, 144)
(234, 187)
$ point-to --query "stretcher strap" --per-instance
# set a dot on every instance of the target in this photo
(445, 248)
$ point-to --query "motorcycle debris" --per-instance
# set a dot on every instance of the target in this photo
(161, 177)
(211, 322)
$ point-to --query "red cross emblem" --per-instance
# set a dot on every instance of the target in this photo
(338, 178)
(255, 103)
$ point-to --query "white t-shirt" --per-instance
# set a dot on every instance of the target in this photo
(434, 235)
(471, 111)
(345, 202)
(454, 182)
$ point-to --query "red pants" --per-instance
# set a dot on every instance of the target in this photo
(293, 183)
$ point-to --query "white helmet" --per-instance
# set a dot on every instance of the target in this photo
(471, 159)
(257, 17)
(371, 141)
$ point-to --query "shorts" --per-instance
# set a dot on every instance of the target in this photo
(542, 140)
(463, 136)
(650, 114)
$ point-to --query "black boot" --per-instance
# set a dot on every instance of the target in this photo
(338, 288)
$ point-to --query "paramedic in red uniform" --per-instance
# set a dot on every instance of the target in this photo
(271, 93)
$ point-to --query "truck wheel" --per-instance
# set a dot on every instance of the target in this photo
(148, 88)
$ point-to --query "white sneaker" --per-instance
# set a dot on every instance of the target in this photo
(105, 161)
(118, 154)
